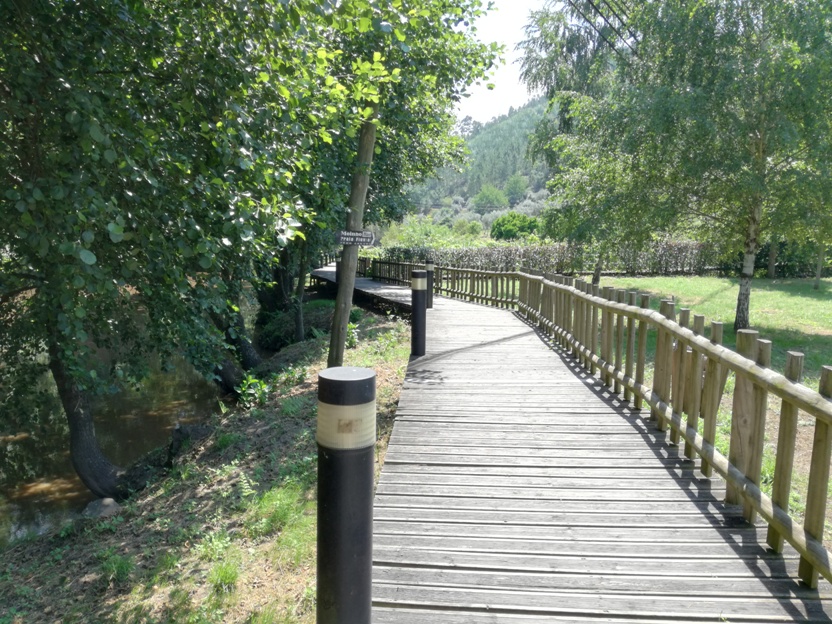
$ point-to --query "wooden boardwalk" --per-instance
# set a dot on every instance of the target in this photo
(517, 489)
(377, 290)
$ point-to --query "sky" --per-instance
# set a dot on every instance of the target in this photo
(504, 24)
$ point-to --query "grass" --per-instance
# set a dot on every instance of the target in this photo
(229, 535)
(788, 312)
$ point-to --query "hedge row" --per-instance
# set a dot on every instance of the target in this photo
(666, 257)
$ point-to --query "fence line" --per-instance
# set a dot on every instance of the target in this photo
(606, 329)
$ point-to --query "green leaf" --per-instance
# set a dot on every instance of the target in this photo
(206, 261)
(87, 236)
(97, 134)
(38, 194)
(87, 257)
(110, 156)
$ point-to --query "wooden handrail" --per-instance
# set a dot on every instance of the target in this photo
(690, 372)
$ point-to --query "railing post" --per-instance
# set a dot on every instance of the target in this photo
(679, 386)
(629, 358)
(711, 396)
(663, 370)
(418, 303)
(816, 494)
(620, 297)
(641, 352)
(596, 292)
(429, 267)
(784, 463)
(743, 416)
(346, 436)
(693, 395)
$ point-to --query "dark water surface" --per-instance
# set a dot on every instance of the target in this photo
(39, 490)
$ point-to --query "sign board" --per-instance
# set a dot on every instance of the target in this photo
(345, 237)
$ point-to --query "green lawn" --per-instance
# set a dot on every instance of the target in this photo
(786, 311)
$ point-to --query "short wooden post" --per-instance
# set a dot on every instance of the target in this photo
(620, 297)
(693, 395)
(818, 482)
(606, 335)
(755, 457)
(596, 291)
(663, 371)
(711, 395)
(346, 437)
(641, 357)
(743, 417)
(784, 463)
(679, 384)
(418, 298)
(629, 364)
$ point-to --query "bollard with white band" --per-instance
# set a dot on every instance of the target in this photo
(429, 266)
(346, 438)
(418, 303)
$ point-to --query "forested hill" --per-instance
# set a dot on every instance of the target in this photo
(498, 151)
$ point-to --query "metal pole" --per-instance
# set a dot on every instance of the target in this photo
(429, 269)
(418, 299)
(346, 438)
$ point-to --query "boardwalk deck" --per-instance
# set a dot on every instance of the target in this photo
(517, 489)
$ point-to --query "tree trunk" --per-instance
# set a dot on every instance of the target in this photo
(349, 256)
(249, 358)
(276, 296)
(98, 473)
(599, 266)
(742, 318)
(300, 330)
(236, 335)
(229, 376)
(773, 249)
(819, 266)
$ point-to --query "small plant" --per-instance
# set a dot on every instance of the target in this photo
(352, 336)
(275, 510)
(292, 376)
(214, 546)
(224, 440)
(355, 315)
(116, 568)
(223, 576)
(111, 524)
(253, 391)
(292, 406)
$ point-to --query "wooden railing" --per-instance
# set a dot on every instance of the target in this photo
(606, 329)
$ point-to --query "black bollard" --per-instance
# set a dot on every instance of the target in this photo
(337, 271)
(418, 301)
(429, 269)
(346, 452)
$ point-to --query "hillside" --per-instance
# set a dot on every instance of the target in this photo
(497, 152)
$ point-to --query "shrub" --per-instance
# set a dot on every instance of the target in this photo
(513, 225)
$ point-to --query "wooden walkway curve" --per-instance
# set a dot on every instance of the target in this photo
(517, 489)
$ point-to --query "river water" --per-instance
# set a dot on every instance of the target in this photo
(39, 490)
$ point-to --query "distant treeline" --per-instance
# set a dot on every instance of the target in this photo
(659, 257)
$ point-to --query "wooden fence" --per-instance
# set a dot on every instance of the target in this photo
(606, 330)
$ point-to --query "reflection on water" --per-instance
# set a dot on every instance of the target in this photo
(39, 490)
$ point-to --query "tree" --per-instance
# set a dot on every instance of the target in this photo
(146, 156)
(512, 226)
(427, 60)
(515, 189)
(715, 104)
(489, 199)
